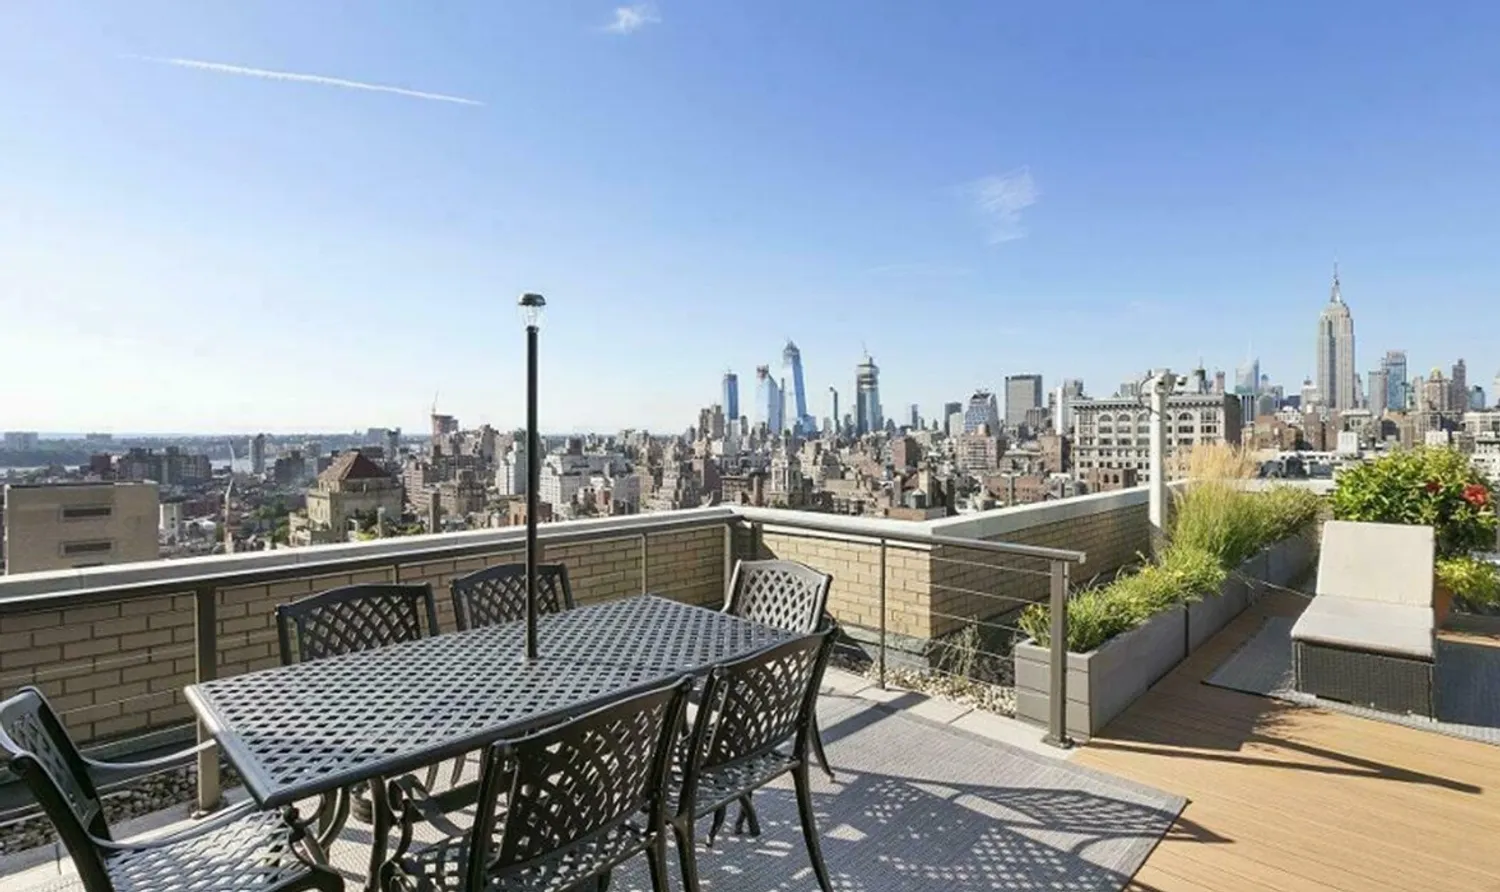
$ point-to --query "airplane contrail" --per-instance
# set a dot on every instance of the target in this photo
(267, 74)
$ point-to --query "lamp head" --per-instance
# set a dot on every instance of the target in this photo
(531, 306)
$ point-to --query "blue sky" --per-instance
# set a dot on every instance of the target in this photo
(971, 189)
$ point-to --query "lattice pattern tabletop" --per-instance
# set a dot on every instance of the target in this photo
(296, 731)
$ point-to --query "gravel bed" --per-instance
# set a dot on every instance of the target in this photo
(998, 696)
(137, 798)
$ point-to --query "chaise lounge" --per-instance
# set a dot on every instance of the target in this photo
(1367, 638)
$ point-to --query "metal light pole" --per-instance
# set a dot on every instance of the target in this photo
(1159, 387)
(531, 313)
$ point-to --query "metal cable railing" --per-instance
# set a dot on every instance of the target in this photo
(961, 623)
(961, 604)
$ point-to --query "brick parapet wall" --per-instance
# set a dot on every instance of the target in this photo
(933, 591)
(118, 668)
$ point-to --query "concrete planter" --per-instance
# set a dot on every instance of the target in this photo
(1288, 560)
(1257, 570)
(1207, 616)
(1102, 683)
(1105, 681)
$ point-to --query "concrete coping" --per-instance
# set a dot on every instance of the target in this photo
(188, 573)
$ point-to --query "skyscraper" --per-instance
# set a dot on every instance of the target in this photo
(867, 416)
(1247, 377)
(833, 394)
(258, 454)
(1022, 394)
(1395, 379)
(731, 399)
(791, 357)
(768, 399)
(916, 419)
(1459, 384)
(983, 409)
(1335, 372)
(1378, 391)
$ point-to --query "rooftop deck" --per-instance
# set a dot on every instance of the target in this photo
(931, 794)
(928, 798)
(1284, 797)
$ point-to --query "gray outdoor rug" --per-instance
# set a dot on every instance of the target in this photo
(917, 807)
(1467, 679)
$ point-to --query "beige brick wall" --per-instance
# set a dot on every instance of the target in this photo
(119, 668)
(110, 668)
(934, 592)
(972, 584)
(854, 599)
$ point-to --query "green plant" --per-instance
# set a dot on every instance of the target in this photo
(1474, 582)
(1433, 486)
(1096, 615)
(1288, 511)
(1221, 519)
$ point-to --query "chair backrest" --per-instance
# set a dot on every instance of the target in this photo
(35, 745)
(498, 594)
(759, 702)
(574, 781)
(783, 594)
(1386, 562)
(354, 618)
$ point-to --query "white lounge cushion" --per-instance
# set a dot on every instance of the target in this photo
(1384, 562)
(1399, 630)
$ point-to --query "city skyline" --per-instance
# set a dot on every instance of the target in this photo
(201, 243)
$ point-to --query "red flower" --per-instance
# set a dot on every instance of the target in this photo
(1433, 486)
(1475, 494)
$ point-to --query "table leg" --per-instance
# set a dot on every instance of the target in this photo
(381, 820)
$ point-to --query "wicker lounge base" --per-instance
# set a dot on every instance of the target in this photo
(1392, 683)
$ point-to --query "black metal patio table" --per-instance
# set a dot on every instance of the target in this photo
(298, 731)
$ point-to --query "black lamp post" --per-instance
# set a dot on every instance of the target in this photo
(531, 313)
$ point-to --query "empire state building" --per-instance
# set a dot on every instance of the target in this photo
(1335, 376)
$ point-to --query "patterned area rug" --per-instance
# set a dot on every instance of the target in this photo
(1467, 678)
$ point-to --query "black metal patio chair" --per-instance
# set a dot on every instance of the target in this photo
(752, 727)
(241, 850)
(347, 620)
(784, 595)
(498, 594)
(560, 809)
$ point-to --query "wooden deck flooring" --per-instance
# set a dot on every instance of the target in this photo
(1288, 798)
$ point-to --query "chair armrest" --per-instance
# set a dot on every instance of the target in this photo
(104, 773)
(218, 822)
(413, 802)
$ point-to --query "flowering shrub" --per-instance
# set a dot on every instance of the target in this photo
(1432, 486)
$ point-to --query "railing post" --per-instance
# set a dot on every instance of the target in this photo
(728, 558)
(881, 654)
(643, 563)
(206, 665)
(1057, 725)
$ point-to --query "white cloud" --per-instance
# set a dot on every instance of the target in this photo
(630, 19)
(999, 199)
(319, 79)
